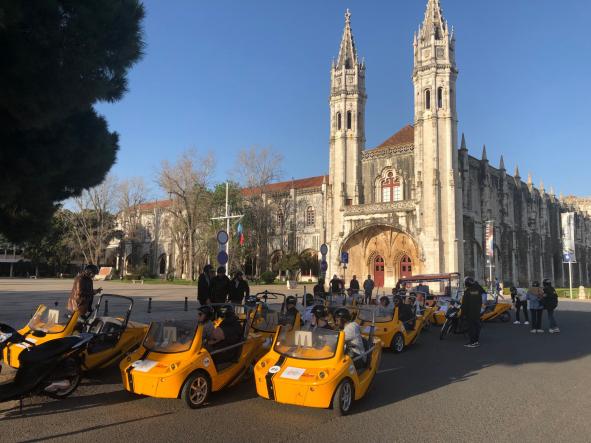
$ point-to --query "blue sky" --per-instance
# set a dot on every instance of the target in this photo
(221, 76)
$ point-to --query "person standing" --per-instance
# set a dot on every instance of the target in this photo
(519, 298)
(239, 288)
(204, 285)
(550, 304)
(335, 284)
(82, 292)
(368, 286)
(354, 285)
(471, 306)
(318, 289)
(536, 309)
(220, 286)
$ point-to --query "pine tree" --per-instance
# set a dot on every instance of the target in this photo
(59, 58)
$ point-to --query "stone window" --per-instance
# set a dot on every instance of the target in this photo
(440, 98)
(348, 202)
(310, 216)
(338, 121)
(349, 118)
(280, 217)
(427, 99)
(391, 189)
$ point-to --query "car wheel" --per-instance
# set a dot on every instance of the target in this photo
(505, 317)
(398, 343)
(342, 399)
(73, 379)
(196, 389)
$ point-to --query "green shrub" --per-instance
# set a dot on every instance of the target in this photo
(268, 277)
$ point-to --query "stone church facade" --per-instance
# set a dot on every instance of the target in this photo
(418, 202)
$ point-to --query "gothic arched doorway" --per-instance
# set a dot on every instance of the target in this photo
(162, 264)
(378, 271)
(405, 266)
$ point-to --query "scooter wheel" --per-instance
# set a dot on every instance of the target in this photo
(196, 389)
(66, 392)
(505, 317)
(343, 397)
(398, 343)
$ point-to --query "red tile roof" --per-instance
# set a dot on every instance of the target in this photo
(404, 137)
(302, 183)
(155, 204)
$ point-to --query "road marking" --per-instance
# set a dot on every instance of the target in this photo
(382, 371)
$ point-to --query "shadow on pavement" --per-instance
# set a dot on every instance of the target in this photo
(431, 363)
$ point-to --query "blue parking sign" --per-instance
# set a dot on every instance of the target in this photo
(344, 257)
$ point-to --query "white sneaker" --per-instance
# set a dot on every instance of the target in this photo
(551, 331)
(516, 322)
(556, 330)
(533, 331)
(526, 322)
(540, 331)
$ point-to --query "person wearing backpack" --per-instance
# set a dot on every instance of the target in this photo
(536, 308)
(550, 304)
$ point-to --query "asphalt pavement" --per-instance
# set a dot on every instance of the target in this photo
(516, 387)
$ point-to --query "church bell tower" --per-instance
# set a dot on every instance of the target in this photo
(347, 137)
(437, 181)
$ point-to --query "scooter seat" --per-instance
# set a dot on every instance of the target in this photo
(47, 350)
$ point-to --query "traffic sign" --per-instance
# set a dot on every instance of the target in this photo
(222, 237)
(222, 257)
(324, 249)
(344, 257)
(323, 265)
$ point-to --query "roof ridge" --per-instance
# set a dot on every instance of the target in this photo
(403, 137)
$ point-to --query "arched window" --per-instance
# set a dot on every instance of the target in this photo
(280, 217)
(338, 121)
(391, 190)
(427, 99)
(349, 122)
(440, 98)
(310, 216)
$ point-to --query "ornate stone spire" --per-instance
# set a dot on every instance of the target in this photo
(517, 172)
(530, 181)
(434, 25)
(542, 190)
(347, 52)
(484, 157)
(502, 164)
(463, 144)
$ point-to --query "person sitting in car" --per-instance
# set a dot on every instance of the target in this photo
(353, 339)
(205, 316)
(228, 333)
(319, 318)
(405, 314)
(384, 308)
(290, 313)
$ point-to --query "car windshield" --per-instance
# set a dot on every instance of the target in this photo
(266, 319)
(171, 336)
(382, 314)
(50, 321)
(113, 306)
(319, 344)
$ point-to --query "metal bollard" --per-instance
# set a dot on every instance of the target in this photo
(55, 303)
(150, 305)
(186, 304)
(106, 312)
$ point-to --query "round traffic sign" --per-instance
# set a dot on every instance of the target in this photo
(324, 249)
(222, 237)
(222, 258)
(323, 266)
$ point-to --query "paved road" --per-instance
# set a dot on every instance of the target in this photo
(517, 387)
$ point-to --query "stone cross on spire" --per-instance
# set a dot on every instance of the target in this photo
(347, 52)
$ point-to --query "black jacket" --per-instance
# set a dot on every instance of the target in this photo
(404, 312)
(203, 289)
(354, 284)
(550, 298)
(238, 290)
(220, 288)
(472, 303)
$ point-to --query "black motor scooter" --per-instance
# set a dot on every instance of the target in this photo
(454, 323)
(51, 368)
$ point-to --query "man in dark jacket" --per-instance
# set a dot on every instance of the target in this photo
(82, 292)
(550, 302)
(318, 289)
(335, 285)
(354, 285)
(220, 286)
(238, 288)
(204, 285)
(471, 306)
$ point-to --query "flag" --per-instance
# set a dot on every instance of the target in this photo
(240, 233)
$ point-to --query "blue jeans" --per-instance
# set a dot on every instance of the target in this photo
(551, 319)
